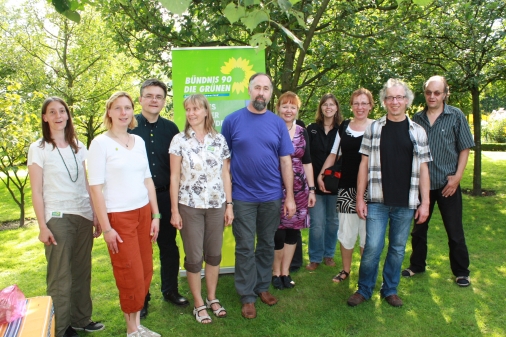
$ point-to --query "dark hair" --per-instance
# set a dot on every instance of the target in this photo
(445, 84)
(70, 133)
(153, 82)
(362, 91)
(202, 102)
(338, 118)
(261, 74)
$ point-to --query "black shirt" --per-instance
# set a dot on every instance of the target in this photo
(157, 137)
(320, 145)
(351, 158)
(396, 156)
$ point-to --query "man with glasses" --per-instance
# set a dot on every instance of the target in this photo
(450, 140)
(394, 169)
(157, 133)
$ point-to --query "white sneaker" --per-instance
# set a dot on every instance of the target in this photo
(134, 334)
(146, 332)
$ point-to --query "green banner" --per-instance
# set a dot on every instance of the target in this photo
(219, 73)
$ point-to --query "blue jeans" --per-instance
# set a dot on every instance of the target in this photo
(378, 216)
(323, 229)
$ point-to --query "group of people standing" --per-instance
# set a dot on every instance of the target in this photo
(263, 174)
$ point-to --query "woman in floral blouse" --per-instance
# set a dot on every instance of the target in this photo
(201, 200)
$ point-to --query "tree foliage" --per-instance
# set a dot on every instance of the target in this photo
(80, 63)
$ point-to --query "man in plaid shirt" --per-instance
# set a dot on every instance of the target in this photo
(394, 169)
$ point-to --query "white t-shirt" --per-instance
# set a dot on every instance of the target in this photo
(336, 144)
(121, 171)
(59, 193)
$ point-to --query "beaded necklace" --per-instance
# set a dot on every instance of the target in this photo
(77, 169)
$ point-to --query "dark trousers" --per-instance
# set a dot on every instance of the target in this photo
(297, 255)
(169, 252)
(451, 212)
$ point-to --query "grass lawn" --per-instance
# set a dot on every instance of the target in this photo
(433, 304)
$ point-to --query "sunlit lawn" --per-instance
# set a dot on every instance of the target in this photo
(433, 304)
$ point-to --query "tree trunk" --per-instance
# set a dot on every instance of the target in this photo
(22, 212)
(475, 94)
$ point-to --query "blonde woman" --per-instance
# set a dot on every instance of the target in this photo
(201, 199)
(350, 225)
(124, 197)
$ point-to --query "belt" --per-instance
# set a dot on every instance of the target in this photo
(161, 189)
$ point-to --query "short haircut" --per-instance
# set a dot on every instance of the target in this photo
(107, 120)
(260, 74)
(288, 98)
(338, 118)
(445, 84)
(362, 91)
(202, 102)
(153, 82)
(393, 82)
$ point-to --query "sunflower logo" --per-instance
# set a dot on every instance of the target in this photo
(238, 65)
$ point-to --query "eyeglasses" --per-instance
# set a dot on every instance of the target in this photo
(152, 98)
(328, 105)
(393, 98)
(363, 104)
(436, 93)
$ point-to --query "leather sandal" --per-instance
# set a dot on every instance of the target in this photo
(201, 318)
(339, 277)
(217, 311)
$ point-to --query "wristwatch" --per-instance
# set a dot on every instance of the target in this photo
(230, 203)
(156, 216)
(313, 188)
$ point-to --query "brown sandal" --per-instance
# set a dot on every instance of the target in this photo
(339, 277)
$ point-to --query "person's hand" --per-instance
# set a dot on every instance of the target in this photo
(46, 237)
(289, 208)
(311, 201)
(176, 221)
(361, 208)
(97, 229)
(321, 184)
(112, 238)
(451, 186)
(229, 215)
(155, 228)
(422, 213)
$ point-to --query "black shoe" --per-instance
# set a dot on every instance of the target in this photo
(91, 327)
(176, 298)
(144, 310)
(70, 332)
(287, 281)
(277, 283)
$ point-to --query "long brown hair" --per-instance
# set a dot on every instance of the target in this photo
(69, 132)
(202, 102)
(338, 118)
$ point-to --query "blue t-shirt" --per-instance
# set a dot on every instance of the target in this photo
(256, 142)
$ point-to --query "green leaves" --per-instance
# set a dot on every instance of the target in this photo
(260, 40)
(233, 13)
(176, 6)
(254, 18)
(68, 8)
(422, 2)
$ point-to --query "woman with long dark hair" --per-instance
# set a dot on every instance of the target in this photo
(60, 197)
(324, 220)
